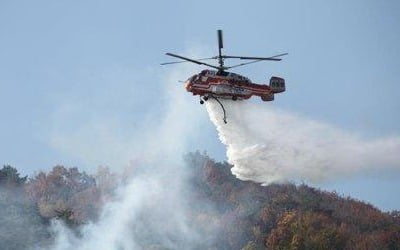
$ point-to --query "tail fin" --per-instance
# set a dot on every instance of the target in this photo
(277, 84)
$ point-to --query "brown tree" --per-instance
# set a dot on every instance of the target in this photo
(66, 193)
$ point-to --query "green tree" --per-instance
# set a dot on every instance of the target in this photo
(10, 177)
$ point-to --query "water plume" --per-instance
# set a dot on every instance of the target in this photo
(268, 145)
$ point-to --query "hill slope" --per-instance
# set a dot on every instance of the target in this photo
(224, 212)
(286, 216)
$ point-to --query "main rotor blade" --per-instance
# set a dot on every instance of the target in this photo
(271, 58)
(201, 59)
(193, 61)
(241, 64)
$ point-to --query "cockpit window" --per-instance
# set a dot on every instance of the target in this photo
(222, 73)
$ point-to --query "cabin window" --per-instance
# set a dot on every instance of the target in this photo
(222, 73)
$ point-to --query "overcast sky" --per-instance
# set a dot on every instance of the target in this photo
(78, 79)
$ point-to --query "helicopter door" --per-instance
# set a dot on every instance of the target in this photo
(277, 84)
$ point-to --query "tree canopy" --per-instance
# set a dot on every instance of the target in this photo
(233, 214)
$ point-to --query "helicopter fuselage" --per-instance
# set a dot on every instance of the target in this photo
(220, 83)
(223, 84)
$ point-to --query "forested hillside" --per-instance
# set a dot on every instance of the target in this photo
(242, 215)
(286, 216)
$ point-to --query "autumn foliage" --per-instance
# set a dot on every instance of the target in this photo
(233, 214)
(64, 193)
(286, 216)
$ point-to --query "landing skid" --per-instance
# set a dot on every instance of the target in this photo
(205, 98)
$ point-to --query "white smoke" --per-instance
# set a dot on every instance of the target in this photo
(268, 145)
(151, 210)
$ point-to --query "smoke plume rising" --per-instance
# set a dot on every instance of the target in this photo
(267, 145)
(152, 208)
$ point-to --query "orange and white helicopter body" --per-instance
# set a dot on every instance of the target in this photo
(230, 85)
(220, 83)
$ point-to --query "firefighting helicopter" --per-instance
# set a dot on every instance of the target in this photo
(221, 84)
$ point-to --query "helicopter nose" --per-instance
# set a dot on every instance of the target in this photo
(188, 86)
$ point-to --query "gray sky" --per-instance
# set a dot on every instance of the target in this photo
(73, 70)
